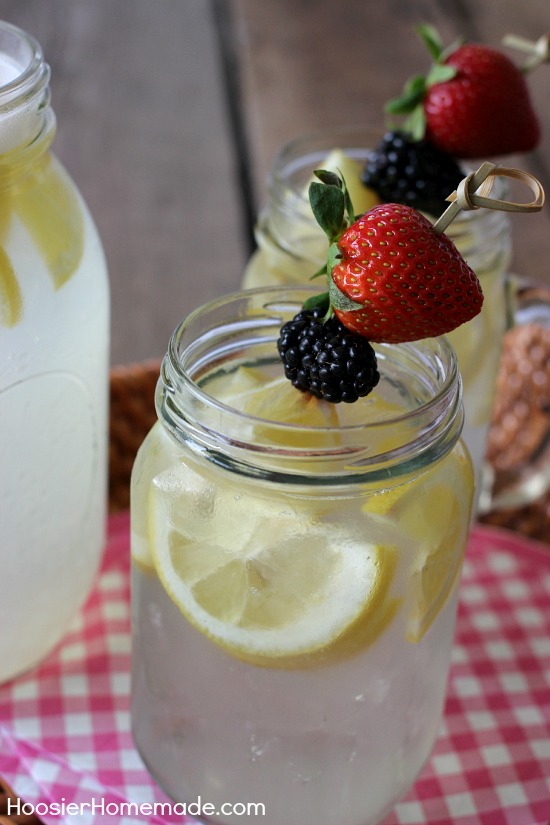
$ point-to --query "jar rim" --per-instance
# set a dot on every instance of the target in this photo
(29, 67)
(28, 122)
(292, 171)
(209, 337)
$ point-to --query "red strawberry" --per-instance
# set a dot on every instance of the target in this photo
(484, 110)
(391, 278)
(410, 281)
(474, 103)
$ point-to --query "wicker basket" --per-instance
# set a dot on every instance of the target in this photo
(519, 437)
(132, 415)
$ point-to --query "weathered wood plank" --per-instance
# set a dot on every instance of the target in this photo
(143, 122)
(143, 128)
(309, 65)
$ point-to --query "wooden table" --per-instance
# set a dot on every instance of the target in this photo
(170, 114)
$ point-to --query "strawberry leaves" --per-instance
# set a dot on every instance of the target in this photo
(332, 208)
(330, 203)
(410, 102)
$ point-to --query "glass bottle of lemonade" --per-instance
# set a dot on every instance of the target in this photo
(295, 567)
(291, 247)
(54, 317)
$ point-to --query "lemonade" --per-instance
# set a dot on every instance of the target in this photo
(295, 567)
(291, 247)
(54, 317)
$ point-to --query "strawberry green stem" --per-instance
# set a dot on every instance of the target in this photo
(409, 104)
(333, 210)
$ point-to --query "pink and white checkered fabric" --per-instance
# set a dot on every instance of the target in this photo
(65, 727)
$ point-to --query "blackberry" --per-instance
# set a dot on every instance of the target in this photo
(326, 359)
(402, 170)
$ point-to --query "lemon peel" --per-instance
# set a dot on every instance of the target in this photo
(11, 300)
(51, 212)
(440, 533)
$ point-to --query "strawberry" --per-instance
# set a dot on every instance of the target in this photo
(473, 103)
(392, 277)
(409, 281)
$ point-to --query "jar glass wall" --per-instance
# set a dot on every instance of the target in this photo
(294, 585)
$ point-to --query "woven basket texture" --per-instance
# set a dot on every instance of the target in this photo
(132, 414)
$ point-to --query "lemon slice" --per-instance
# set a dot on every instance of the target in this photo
(362, 197)
(439, 528)
(11, 301)
(51, 212)
(432, 512)
(277, 400)
(434, 580)
(157, 453)
(381, 503)
(276, 592)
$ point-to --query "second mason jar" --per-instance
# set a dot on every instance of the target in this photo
(295, 571)
(292, 247)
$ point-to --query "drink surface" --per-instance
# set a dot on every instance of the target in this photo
(292, 642)
(54, 316)
(9, 70)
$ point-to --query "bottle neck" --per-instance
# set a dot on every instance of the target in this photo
(415, 419)
(27, 122)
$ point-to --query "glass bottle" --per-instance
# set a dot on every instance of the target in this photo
(54, 334)
(295, 569)
(291, 247)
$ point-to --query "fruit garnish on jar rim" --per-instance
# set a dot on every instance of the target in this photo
(392, 277)
(472, 103)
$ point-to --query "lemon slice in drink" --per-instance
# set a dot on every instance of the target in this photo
(276, 400)
(432, 511)
(439, 528)
(434, 580)
(52, 214)
(362, 197)
(277, 592)
(10, 292)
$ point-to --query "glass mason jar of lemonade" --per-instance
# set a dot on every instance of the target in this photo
(54, 316)
(291, 247)
(295, 568)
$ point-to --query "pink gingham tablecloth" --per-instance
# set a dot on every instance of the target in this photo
(65, 727)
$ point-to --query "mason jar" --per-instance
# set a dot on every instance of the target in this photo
(295, 572)
(54, 333)
(291, 247)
